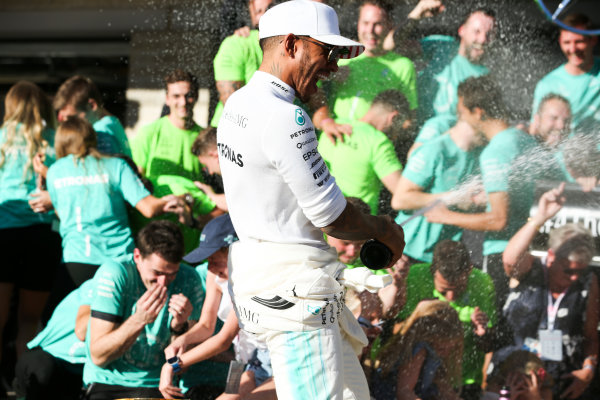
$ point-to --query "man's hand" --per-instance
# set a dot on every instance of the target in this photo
(38, 164)
(437, 214)
(523, 387)
(335, 131)
(177, 347)
(40, 202)
(549, 204)
(149, 305)
(480, 320)
(166, 383)
(244, 31)
(581, 380)
(177, 205)
(180, 308)
(426, 8)
(205, 188)
(587, 183)
(399, 271)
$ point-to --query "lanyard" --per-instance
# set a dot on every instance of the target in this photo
(553, 309)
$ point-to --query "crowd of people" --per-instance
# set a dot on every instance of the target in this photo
(117, 249)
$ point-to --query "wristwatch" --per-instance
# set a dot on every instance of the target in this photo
(176, 364)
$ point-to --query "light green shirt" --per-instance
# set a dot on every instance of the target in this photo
(360, 162)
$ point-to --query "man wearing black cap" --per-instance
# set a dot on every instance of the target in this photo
(281, 198)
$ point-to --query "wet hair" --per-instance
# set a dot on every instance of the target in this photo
(483, 92)
(552, 96)
(451, 259)
(163, 238)
(572, 242)
(524, 362)
(77, 92)
(76, 136)
(432, 321)
(581, 155)
(385, 5)
(27, 113)
(488, 12)
(180, 75)
(359, 204)
(205, 141)
(392, 100)
(577, 20)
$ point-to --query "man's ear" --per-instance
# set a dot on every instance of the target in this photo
(550, 257)
(137, 256)
(93, 105)
(290, 44)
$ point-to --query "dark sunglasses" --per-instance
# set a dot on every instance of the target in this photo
(334, 52)
(571, 272)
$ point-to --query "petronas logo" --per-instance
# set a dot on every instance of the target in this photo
(300, 120)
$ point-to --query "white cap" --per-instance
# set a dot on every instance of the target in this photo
(307, 18)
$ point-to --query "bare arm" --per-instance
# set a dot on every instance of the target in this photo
(81, 322)
(393, 297)
(226, 89)
(390, 181)
(409, 196)
(354, 225)
(215, 344)
(323, 121)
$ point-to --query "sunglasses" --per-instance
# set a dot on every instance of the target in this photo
(572, 272)
(334, 52)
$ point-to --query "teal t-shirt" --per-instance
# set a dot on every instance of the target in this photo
(111, 136)
(237, 60)
(58, 337)
(18, 181)
(582, 91)
(507, 166)
(89, 197)
(435, 126)
(367, 77)
(445, 99)
(437, 167)
(479, 293)
(118, 287)
(360, 162)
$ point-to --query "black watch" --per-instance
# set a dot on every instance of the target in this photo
(176, 364)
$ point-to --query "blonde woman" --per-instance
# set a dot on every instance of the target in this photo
(30, 249)
(422, 360)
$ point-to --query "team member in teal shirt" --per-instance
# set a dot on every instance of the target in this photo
(54, 361)
(89, 192)
(435, 171)
(140, 303)
(30, 249)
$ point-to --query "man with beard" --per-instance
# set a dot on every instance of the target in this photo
(578, 80)
(551, 122)
(283, 275)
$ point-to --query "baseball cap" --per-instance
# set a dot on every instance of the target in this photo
(307, 18)
(219, 232)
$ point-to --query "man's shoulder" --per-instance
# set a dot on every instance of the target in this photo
(558, 73)
(116, 268)
(152, 127)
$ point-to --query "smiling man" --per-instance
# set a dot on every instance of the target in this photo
(578, 80)
(140, 303)
(281, 199)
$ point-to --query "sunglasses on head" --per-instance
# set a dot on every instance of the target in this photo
(334, 52)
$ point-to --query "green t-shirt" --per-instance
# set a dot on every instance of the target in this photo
(459, 69)
(368, 76)
(17, 183)
(479, 293)
(437, 167)
(58, 337)
(111, 136)
(237, 60)
(582, 91)
(360, 162)
(435, 126)
(506, 166)
(89, 196)
(118, 287)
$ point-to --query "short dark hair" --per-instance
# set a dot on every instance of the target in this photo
(359, 204)
(180, 75)
(77, 91)
(484, 10)
(385, 5)
(163, 238)
(483, 92)
(451, 259)
(577, 20)
(205, 141)
(392, 100)
(266, 44)
(552, 96)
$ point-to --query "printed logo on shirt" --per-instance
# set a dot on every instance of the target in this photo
(237, 119)
(276, 303)
(80, 181)
(248, 315)
(300, 120)
(229, 154)
(315, 162)
(317, 174)
(280, 86)
(300, 144)
(324, 181)
(313, 310)
(307, 156)
(302, 132)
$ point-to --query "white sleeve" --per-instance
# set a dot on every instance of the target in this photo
(290, 144)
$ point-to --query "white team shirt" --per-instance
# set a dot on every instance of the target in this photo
(277, 186)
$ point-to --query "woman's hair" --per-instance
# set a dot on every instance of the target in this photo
(27, 112)
(524, 362)
(75, 136)
(432, 322)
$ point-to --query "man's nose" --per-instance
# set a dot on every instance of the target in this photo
(162, 280)
(450, 295)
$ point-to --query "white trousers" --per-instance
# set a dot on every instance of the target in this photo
(314, 365)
